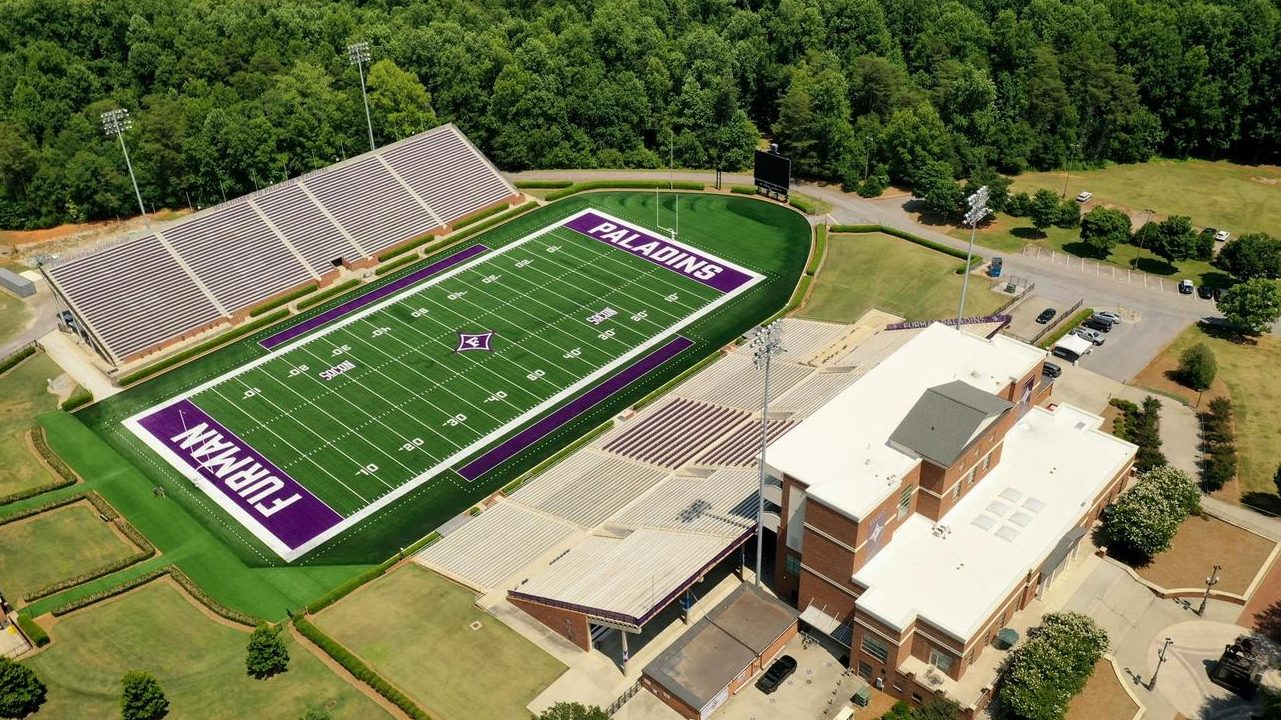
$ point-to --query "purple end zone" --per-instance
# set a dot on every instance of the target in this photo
(642, 244)
(368, 298)
(263, 491)
(576, 407)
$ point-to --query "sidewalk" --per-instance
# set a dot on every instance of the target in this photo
(62, 349)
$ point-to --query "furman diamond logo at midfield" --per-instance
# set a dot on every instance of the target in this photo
(473, 341)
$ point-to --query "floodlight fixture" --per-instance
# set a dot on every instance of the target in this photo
(766, 344)
(115, 123)
(978, 210)
(358, 55)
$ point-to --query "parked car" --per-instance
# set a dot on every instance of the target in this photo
(1217, 293)
(1084, 196)
(1046, 316)
(1093, 336)
(1050, 370)
(1186, 287)
(1098, 323)
(1068, 354)
(779, 671)
(1109, 316)
(1205, 292)
(1222, 236)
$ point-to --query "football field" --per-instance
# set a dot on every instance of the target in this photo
(438, 378)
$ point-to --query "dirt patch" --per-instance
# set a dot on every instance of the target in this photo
(1160, 375)
(34, 237)
(22, 245)
(1103, 697)
(1203, 541)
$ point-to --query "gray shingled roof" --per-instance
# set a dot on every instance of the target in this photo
(944, 421)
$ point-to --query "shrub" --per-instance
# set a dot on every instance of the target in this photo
(1066, 327)
(329, 292)
(1046, 672)
(743, 189)
(1197, 367)
(43, 507)
(348, 587)
(803, 203)
(141, 697)
(65, 475)
(32, 630)
(541, 184)
(1019, 205)
(572, 711)
(9, 361)
(283, 300)
(79, 396)
(875, 184)
(204, 347)
(203, 598)
(1219, 442)
(472, 219)
(94, 574)
(266, 654)
(625, 184)
(820, 247)
(21, 692)
(110, 592)
(1142, 426)
(395, 265)
(359, 669)
(490, 222)
(1069, 215)
(1143, 521)
(1276, 479)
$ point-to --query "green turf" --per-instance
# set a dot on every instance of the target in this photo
(200, 665)
(54, 546)
(14, 315)
(873, 270)
(239, 572)
(492, 672)
(1237, 198)
(23, 395)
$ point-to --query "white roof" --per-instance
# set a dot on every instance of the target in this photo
(1052, 467)
(1075, 343)
(841, 451)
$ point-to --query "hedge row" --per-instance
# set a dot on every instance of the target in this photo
(1219, 442)
(44, 507)
(283, 300)
(13, 359)
(395, 265)
(101, 505)
(820, 247)
(203, 598)
(802, 289)
(487, 223)
(479, 216)
(1066, 328)
(407, 247)
(94, 574)
(65, 475)
(79, 396)
(110, 592)
(626, 184)
(743, 189)
(805, 204)
(204, 347)
(348, 587)
(359, 669)
(541, 184)
(32, 630)
(329, 292)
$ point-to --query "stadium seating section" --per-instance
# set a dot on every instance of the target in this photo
(143, 292)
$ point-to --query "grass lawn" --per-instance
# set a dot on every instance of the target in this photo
(1103, 697)
(867, 270)
(1248, 370)
(23, 396)
(1237, 198)
(453, 671)
(1200, 543)
(54, 546)
(200, 664)
(13, 315)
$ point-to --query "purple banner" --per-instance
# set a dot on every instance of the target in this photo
(573, 409)
(231, 467)
(642, 244)
(369, 298)
(971, 320)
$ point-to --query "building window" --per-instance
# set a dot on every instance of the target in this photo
(898, 688)
(793, 565)
(874, 647)
(905, 501)
(942, 661)
(969, 479)
(916, 698)
(865, 670)
(956, 491)
(987, 461)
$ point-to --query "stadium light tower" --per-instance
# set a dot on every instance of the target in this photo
(115, 123)
(358, 54)
(978, 211)
(766, 343)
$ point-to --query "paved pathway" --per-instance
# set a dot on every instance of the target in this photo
(62, 348)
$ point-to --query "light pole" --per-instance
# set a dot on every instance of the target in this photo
(767, 343)
(115, 123)
(867, 157)
(358, 54)
(1142, 236)
(1209, 583)
(1159, 662)
(978, 211)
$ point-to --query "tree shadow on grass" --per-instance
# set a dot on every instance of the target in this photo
(1027, 233)
(1156, 266)
(1117, 552)
(1216, 278)
(1268, 503)
(1085, 250)
(1223, 331)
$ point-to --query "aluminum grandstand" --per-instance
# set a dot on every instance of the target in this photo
(144, 293)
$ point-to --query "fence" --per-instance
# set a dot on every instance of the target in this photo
(1065, 316)
(621, 700)
(1017, 297)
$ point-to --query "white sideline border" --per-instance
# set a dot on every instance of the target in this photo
(264, 536)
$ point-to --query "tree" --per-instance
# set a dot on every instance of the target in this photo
(399, 104)
(1197, 366)
(21, 692)
(1175, 239)
(1205, 245)
(1143, 521)
(1104, 228)
(1252, 306)
(1069, 215)
(1276, 479)
(1044, 209)
(1251, 255)
(573, 711)
(141, 697)
(267, 654)
(941, 193)
(1043, 674)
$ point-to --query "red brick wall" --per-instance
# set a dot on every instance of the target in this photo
(669, 699)
(568, 624)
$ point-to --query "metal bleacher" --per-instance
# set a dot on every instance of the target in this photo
(136, 295)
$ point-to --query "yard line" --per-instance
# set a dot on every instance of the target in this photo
(319, 467)
(664, 276)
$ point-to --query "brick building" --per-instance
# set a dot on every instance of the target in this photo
(931, 500)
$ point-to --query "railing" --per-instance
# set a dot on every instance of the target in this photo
(621, 700)
(1066, 315)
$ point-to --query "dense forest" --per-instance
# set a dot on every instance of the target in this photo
(229, 95)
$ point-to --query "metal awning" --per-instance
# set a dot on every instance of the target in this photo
(1061, 550)
(828, 625)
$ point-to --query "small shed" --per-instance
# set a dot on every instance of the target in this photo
(16, 284)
